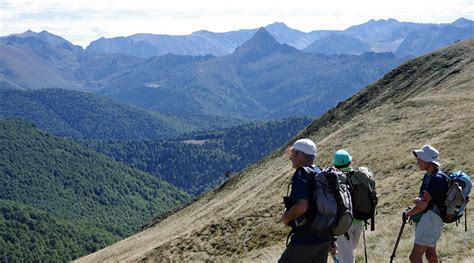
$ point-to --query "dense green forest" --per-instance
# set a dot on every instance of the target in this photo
(84, 115)
(30, 234)
(73, 185)
(198, 161)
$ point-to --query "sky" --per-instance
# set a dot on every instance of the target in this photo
(83, 21)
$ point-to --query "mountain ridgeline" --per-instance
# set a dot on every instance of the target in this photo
(426, 100)
(375, 35)
(61, 200)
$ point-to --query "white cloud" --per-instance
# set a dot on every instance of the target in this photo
(82, 21)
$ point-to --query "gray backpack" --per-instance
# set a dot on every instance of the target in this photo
(460, 186)
(333, 206)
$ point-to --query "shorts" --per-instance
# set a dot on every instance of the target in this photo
(428, 230)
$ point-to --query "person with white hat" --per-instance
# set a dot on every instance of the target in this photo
(428, 205)
(304, 246)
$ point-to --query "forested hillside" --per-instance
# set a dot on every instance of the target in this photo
(30, 234)
(64, 184)
(197, 162)
(84, 115)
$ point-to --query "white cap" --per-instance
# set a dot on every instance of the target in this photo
(428, 154)
(306, 146)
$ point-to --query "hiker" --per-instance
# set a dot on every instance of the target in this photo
(364, 199)
(428, 205)
(304, 246)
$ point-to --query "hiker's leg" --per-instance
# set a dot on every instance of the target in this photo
(356, 232)
(431, 255)
(427, 233)
(321, 253)
(305, 253)
(345, 248)
(416, 255)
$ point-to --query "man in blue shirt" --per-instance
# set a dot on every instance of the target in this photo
(304, 246)
(428, 205)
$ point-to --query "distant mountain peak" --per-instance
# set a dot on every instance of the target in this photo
(463, 22)
(277, 25)
(382, 21)
(52, 39)
(260, 45)
(263, 34)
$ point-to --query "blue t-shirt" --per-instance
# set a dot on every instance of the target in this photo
(302, 187)
(436, 184)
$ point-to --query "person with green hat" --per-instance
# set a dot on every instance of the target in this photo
(359, 179)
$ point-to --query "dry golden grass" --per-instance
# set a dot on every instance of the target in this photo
(427, 100)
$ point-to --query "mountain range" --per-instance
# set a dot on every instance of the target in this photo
(262, 79)
(374, 35)
(425, 100)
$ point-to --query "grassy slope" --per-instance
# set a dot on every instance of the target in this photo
(427, 100)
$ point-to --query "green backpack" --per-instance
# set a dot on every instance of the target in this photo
(363, 194)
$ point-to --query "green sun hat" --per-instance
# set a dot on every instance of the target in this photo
(341, 158)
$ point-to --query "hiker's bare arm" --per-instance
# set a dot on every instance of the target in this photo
(295, 211)
(420, 204)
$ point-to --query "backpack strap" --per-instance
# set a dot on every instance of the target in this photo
(435, 207)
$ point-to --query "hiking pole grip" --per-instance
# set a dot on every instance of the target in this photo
(399, 236)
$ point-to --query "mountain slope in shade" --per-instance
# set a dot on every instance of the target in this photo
(426, 100)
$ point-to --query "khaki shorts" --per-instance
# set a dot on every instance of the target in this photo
(428, 229)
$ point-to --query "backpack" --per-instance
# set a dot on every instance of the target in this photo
(332, 201)
(363, 194)
(460, 186)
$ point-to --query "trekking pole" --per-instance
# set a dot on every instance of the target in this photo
(465, 219)
(399, 236)
(365, 248)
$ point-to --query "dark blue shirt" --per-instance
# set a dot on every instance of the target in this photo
(302, 187)
(436, 184)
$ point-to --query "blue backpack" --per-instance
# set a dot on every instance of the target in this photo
(460, 186)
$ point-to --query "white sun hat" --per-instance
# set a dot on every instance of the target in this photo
(428, 154)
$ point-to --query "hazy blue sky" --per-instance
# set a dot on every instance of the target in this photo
(82, 21)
